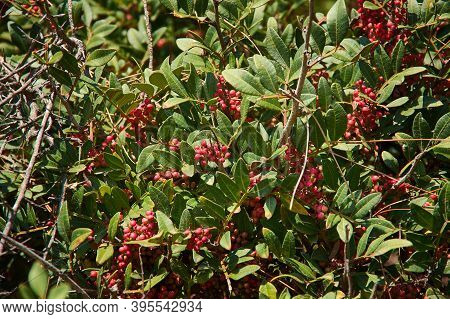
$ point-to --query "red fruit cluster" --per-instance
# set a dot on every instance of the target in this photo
(315, 78)
(309, 190)
(383, 24)
(174, 145)
(168, 174)
(142, 114)
(33, 8)
(365, 113)
(382, 183)
(404, 291)
(257, 209)
(255, 178)
(229, 101)
(238, 239)
(210, 152)
(137, 229)
(167, 289)
(198, 238)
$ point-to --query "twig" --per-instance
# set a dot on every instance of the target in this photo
(23, 87)
(60, 203)
(217, 25)
(70, 14)
(347, 264)
(23, 186)
(45, 263)
(148, 27)
(301, 81)
(303, 168)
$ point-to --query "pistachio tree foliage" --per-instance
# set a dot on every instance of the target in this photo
(224, 149)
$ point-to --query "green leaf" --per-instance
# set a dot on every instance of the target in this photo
(113, 224)
(301, 268)
(266, 72)
(371, 6)
(225, 240)
(173, 82)
(104, 253)
(288, 248)
(336, 120)
(422, 216)
(100, 57)
(337, 22)
(79, 235)
(368, 73)
(277, 48)
(345, 230)
(390, 161)
(267, 291)
(366, 204)
(383, 62)
(167, 159)
(269, 207)
(228, 187)
(421, 130)
(243, 81)
(243, 272)
(164, 223)
(444, 200)
(146, 158)
(397, 56)
(362, 243)
(38, 279)
(389, 245)
(63, 223)
(272, 241)
(398, 102)
(442, 128)
(59, 292)
(161, 200)
(324, 92)
(240, 175)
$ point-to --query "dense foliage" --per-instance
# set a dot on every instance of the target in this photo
(224, 149)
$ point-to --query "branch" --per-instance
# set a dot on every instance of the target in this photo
(303, 168)
(217, 24)
(301, 81)
(45, 263)
(23, 87)
(148, 27)
(23, 186)
(70, 14)
(60, 203)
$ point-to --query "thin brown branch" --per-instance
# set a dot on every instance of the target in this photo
(24, 185)
(301, 81)
(27, 251)
(148, 28)
(217, 25)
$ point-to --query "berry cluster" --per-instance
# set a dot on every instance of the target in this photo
(257, 209)
(309, 190)
(142, 114)
(315, 77)
(197, 238)
(229, 101)
(137, 229)
(404, 291)
(167, 289)
(174, 145)
(365, 113)
(238, 239)
(382, 184)
(255, 178)
(382, 25)
(33, 8)
(211, 152)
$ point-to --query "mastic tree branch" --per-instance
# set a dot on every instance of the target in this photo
(28, 171)
(301, 81)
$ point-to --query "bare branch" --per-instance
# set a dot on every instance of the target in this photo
(23, 186)
(301, 81)
(27, 251)
(148, 27)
